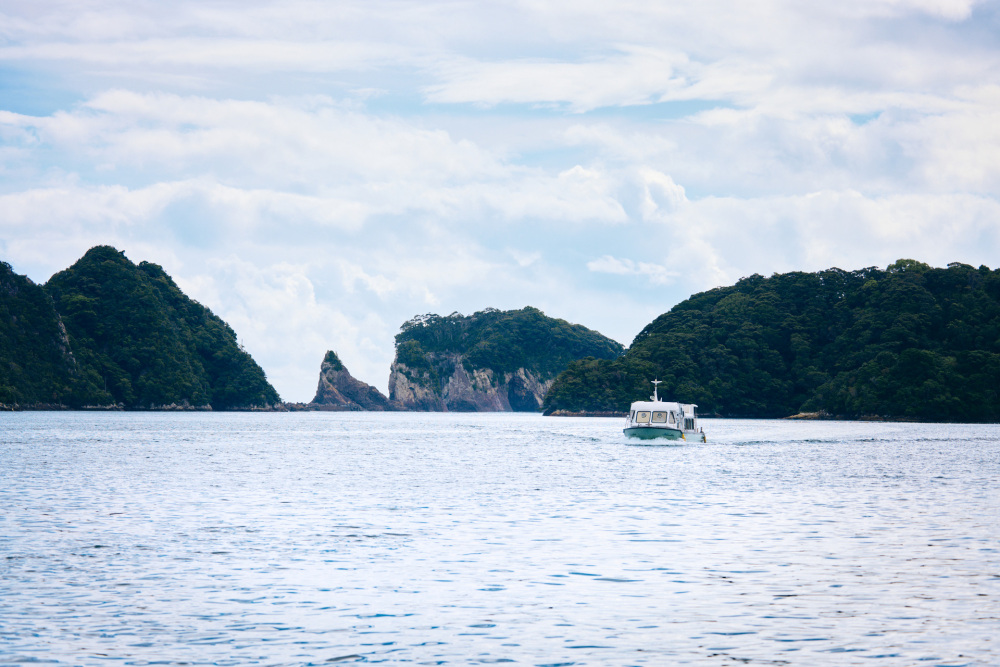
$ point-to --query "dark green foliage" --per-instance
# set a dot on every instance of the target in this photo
(333, 361)
(502, 341)
(36, 363)
(908, 342)
(145, 344)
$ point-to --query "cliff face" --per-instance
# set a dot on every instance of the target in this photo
(478, 390)
(339, 390)
(412, 389)
(491, 361)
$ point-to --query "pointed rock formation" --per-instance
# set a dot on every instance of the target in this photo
(339, 390)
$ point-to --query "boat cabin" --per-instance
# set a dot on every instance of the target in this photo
(663, 419)
(662, 413)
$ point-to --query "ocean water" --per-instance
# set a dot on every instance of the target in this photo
(329, 538)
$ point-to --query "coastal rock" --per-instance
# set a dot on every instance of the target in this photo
(491, 361)
(414, 390)
(478, 390)
(339, 390)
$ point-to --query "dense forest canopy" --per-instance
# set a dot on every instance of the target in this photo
(909, 341)
(131, 338)
(36, 363)
(503, 341)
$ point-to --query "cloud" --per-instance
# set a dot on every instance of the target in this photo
(301, 161)
(261, 54)
(279, 320)
(635, 76)
(841, 228)
(656, 273)
(318, 172)
(952, 10)
(283, 142)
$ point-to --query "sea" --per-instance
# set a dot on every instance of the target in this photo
(454, 539)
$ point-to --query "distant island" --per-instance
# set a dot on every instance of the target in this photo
(490, 361)
(907, 342)
(107, 333)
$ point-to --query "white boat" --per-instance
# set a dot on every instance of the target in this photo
(654, 419)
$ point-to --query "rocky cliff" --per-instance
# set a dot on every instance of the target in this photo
(491, 361)
(464, 390)
(339, 390)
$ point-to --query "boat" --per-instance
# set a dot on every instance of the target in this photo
(656, 419)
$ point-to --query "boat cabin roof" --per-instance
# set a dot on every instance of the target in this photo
(663, 406)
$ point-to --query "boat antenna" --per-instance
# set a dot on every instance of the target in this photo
(655, 397)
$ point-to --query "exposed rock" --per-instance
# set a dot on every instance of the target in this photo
(412, 390)
(567, 413)
(478, 390)
(339, 390)
(491, 361)
(811, 415)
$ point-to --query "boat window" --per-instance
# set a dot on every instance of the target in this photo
(671, 418)
(659, 417)
(642, 417)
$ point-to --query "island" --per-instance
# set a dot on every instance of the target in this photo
(107, 333)
(907, 342)
(490, 361)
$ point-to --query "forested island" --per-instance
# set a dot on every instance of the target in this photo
(907, 342)
(490, 361)
(108, 333)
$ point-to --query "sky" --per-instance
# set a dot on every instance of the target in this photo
(317, 173)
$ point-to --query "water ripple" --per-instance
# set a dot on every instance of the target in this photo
(326, 538)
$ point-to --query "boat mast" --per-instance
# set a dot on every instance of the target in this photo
(655, 397)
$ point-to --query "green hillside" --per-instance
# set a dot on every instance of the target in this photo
(142, 343)
(37, 365)
(909, 342)
(504, 340)
(109, 332)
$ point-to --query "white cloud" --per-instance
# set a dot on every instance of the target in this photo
(282, 142)
(636, 76)
(842, 228)
(113, 207)
(278, 318)
(261, 54)
(952, 10)
(656, 273)
(319, 172)
(661, 195)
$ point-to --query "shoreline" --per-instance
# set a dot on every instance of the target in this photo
(313, 407)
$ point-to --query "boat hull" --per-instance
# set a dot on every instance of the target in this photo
(653, 433)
